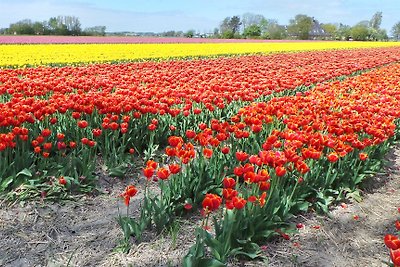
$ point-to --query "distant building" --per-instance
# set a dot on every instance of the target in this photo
(317, 32)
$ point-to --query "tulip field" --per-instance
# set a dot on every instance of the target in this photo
(244, 135)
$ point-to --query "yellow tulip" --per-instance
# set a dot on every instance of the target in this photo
(65, 54)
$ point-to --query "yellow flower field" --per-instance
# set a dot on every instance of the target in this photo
(43, 54)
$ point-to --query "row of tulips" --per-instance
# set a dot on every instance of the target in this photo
(67, 54)
(250, 173)
(54, 121)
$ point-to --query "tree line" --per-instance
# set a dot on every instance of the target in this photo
(249, 25)
(60, 25)
(303, 27)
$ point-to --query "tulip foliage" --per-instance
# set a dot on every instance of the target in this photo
(248, 140)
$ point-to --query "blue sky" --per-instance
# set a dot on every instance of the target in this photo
(199, 15)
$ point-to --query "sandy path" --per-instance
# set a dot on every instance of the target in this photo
(85, 233)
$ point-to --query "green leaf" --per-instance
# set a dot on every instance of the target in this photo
(267, 233)
(300, 206)
(117, 171)
(212, 242)
(251, 255)
(355, 195)
(6, 182)
(24, 172)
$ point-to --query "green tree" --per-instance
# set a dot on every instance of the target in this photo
(330, 29)
(190, 33)
(168, 34)
(52, 25)
(230, 27)
(264, 26)
(64, 25)
(300, 27)
(22, 27)
(396, 31)
(343, 32)
(360, 32)
(38, 28)
(275, 31)
(378, 35)
(216, 33)
(376, 20)
(252, 31)
(249, 19)
(235, 24)
(95, 31)
(73, 24)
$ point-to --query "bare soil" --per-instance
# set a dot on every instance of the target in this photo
(85, 232)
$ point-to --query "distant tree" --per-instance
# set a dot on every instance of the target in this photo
(168, 34)
(189, 33)
(264, 26)
(378, 35)
(64, 25)
(61, 25)
(235, 24)
(56, 27)
(22, 27)
(216, 33)
(330, 29)
(73, 24)
(300, 27)
(52, 25)
(228, 34)
(224, 26)
(95, 31)
(230, 26)
(360, 32)
(275, 31)
(252, 31)
(249, 19)
(396, 31)
(343, 32)
(376, 20)
(39, 28)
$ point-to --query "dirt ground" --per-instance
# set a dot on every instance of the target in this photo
(85, 232)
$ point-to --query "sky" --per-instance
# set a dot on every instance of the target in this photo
(199, 15)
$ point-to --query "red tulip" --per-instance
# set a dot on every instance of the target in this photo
(207, 152)
(163, 173)
(190, 134)
(333, 157)
(241, 156)
(392, 241)
(211, 202)
(174, 168)
(239, 202)
(363, 156)
(395, 257)
(62, 180)
(280, 171)
(229, 182)
(148, 172)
